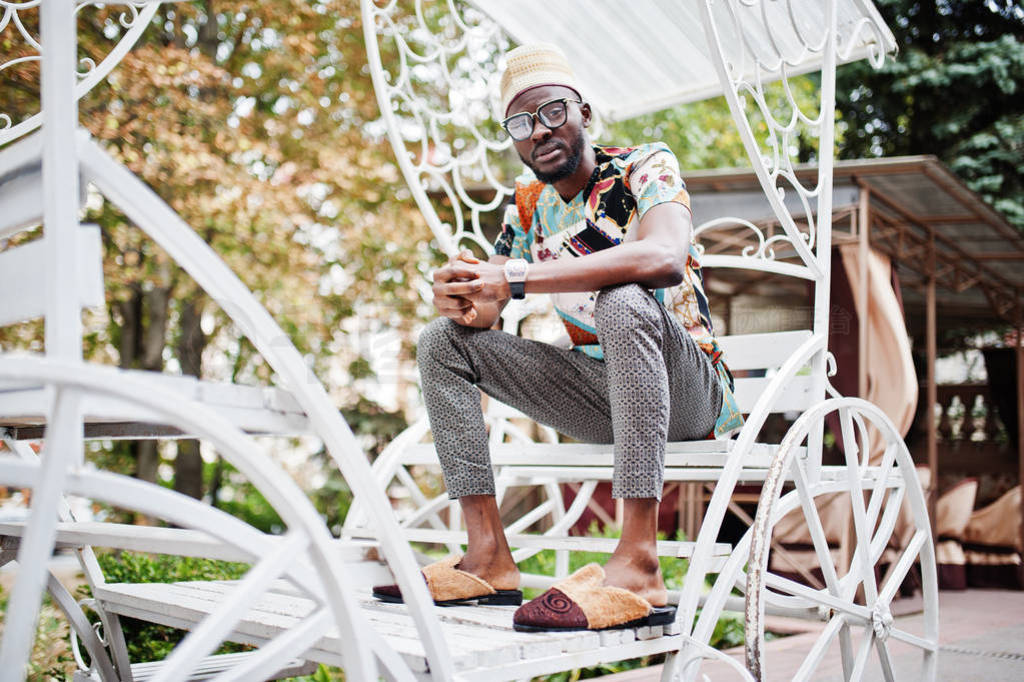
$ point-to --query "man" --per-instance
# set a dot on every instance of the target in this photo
(607, 232)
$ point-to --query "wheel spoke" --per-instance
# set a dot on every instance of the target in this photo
(846, 648)
(63, 450)
(861, 555)
(823, 552)
(863, 654)
(428, 512)
(914, 640)
(818, 538)
(880, 491)
(298, 637)
(777, 582)
(817, 651)
(204, 639)
(884, 659)
(888, 523)
(896, 576)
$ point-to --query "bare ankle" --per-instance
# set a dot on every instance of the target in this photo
(497, 568)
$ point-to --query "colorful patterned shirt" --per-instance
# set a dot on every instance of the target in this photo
(627, 182)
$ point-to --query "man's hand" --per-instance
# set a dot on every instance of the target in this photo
(453, 284)
(489, 278)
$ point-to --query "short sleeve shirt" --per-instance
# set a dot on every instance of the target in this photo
(627, 182)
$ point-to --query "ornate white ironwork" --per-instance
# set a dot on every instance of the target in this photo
(434, 70)
(18, 18)
(746, 246)
(760, 43)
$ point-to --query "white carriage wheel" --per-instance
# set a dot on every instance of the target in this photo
(321, 577)
(857, 596)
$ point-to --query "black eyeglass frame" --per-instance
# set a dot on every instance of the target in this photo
(536, 116)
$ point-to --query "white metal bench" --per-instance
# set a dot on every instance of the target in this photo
(306, 596)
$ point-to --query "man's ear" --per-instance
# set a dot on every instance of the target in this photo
(586, 114)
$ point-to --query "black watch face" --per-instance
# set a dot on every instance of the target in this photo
(517, 289)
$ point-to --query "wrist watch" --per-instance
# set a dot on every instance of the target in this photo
(515, 275)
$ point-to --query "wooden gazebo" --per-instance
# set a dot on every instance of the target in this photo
(959, 265)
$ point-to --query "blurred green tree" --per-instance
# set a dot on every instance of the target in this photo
(249, 119)
(954, 90)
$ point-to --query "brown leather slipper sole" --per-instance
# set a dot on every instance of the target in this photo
(499, 598)
(450, 586)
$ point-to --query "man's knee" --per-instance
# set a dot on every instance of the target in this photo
(435, 339)
(624, 308)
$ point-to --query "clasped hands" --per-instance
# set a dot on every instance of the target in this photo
(464, 284)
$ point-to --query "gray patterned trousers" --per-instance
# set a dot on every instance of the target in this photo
(655, 384)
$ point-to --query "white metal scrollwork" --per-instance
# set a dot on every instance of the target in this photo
(19, 22)
(434, 70)
(761, 44)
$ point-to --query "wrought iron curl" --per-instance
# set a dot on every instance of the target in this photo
(759, 250)
(440, 65)
(751, 65)
(875, 42)
(135, 16)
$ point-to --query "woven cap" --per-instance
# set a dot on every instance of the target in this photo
(530, 66)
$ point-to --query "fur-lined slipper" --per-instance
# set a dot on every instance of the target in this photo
(450, 586)
(583, 602)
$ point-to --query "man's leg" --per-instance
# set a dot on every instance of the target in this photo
(487, 552)
(661, 386)
(558, 387)
(655, 384)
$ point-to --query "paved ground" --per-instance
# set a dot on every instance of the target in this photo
(981, 635)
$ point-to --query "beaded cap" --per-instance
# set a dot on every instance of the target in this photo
(530, 66)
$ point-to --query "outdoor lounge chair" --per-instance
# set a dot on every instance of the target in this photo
(306, 595)
(991, 542)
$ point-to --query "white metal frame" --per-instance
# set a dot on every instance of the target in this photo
(745, 67)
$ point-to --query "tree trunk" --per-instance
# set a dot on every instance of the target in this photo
(207, 42)
(143, 328)
(188, 465)
(142, 332)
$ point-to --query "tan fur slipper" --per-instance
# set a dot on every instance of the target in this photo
(449, 586)
(583, 602)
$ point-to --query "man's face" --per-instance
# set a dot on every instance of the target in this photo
(552, 155)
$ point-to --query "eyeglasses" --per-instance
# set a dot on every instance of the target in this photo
(552, 114)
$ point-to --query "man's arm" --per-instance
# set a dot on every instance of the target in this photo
(655, 257)
(454, 293)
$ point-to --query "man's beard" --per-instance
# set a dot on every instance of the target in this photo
(572, 162)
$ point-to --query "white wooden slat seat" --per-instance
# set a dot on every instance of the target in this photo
(480, 637)
(176, 541)
(253, 409)
(696, 453)
(669, 548)
(208, 669)
(21, 186)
